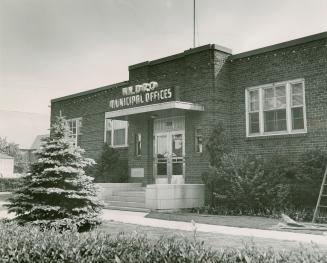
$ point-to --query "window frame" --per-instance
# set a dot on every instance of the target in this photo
(112, 134)
(198, 133)
(79, 124)
(138, 139)
(289, 130)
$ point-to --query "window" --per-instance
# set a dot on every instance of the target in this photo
(74, 127)
(276, 109)
(138, 144)
(198, 141)
(116, 133)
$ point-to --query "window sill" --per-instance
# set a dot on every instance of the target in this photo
(119, 146)
(277, 136)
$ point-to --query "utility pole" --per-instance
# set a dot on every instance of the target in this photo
(193, 23)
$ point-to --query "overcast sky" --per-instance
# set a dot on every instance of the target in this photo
(52, 48)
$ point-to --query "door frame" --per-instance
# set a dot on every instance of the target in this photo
(169, 136)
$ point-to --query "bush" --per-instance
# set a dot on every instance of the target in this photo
(244, 184)
(29, 244)
(10, 184)
(217, 145)
(110, 168)
(309, 175)
(250, 183)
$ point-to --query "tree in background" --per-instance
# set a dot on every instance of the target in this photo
(110, 168)
(12, 149)
(57, 191)
(217, 146)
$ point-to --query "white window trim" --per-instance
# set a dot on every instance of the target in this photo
(137, 154)
(288, 109)
(78, 128)
(112, 137)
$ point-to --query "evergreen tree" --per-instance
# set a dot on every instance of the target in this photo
(110, 167)
(217, 145)
(57, 191)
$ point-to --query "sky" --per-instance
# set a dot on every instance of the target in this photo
(52, 48)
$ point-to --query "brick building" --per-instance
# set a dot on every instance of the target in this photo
(269, 99)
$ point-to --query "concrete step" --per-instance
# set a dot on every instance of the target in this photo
(125, 204)
(133, 209)
(129, 193)
(138, 199)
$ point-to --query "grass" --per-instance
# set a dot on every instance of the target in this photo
(236, 221)
(256, 222)
(211, 240)
(29, 244)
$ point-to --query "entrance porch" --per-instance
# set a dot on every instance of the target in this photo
(158, 141)
(157, 155)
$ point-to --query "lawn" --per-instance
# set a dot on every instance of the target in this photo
(237, 221)
(212, 240)
(256, 222)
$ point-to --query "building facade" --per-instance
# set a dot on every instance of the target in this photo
(272, 99)
(6, 166)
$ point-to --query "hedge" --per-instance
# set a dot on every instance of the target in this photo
(29, 244)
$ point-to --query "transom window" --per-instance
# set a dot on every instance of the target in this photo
(276, 109)
(74, 127)
(116, 133)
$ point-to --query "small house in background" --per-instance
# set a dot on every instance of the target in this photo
(28, 156)
(6, 166)
(36, 145)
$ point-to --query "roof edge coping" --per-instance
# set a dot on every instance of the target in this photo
(82, 93)
(285, 44)
(182, 54)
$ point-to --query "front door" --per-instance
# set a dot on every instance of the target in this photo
(169, 161)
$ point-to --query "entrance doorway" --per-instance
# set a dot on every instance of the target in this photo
(169, 153)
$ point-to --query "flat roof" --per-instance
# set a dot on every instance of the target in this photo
(286, 44)
(182, 54)
(5, 156)
(119, 84)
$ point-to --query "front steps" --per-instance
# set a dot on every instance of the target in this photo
(130, 198)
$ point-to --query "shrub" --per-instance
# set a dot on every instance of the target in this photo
(247, 182)
(29, 244)
(10, 184)
(217, 145)
(309, 175)
(110, 168)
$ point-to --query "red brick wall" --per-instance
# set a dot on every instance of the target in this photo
(308, 61)
(91, 108)
(217, 81)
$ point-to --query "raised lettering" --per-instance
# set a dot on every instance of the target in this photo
(169, 93)
(153, 85)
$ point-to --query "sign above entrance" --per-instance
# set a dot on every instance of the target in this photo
(145, 93)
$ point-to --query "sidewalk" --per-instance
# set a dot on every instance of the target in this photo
(138, 218)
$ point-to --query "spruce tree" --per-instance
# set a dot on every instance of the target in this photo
(57, 192)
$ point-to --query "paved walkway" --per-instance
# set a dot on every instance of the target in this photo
(138, 218)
